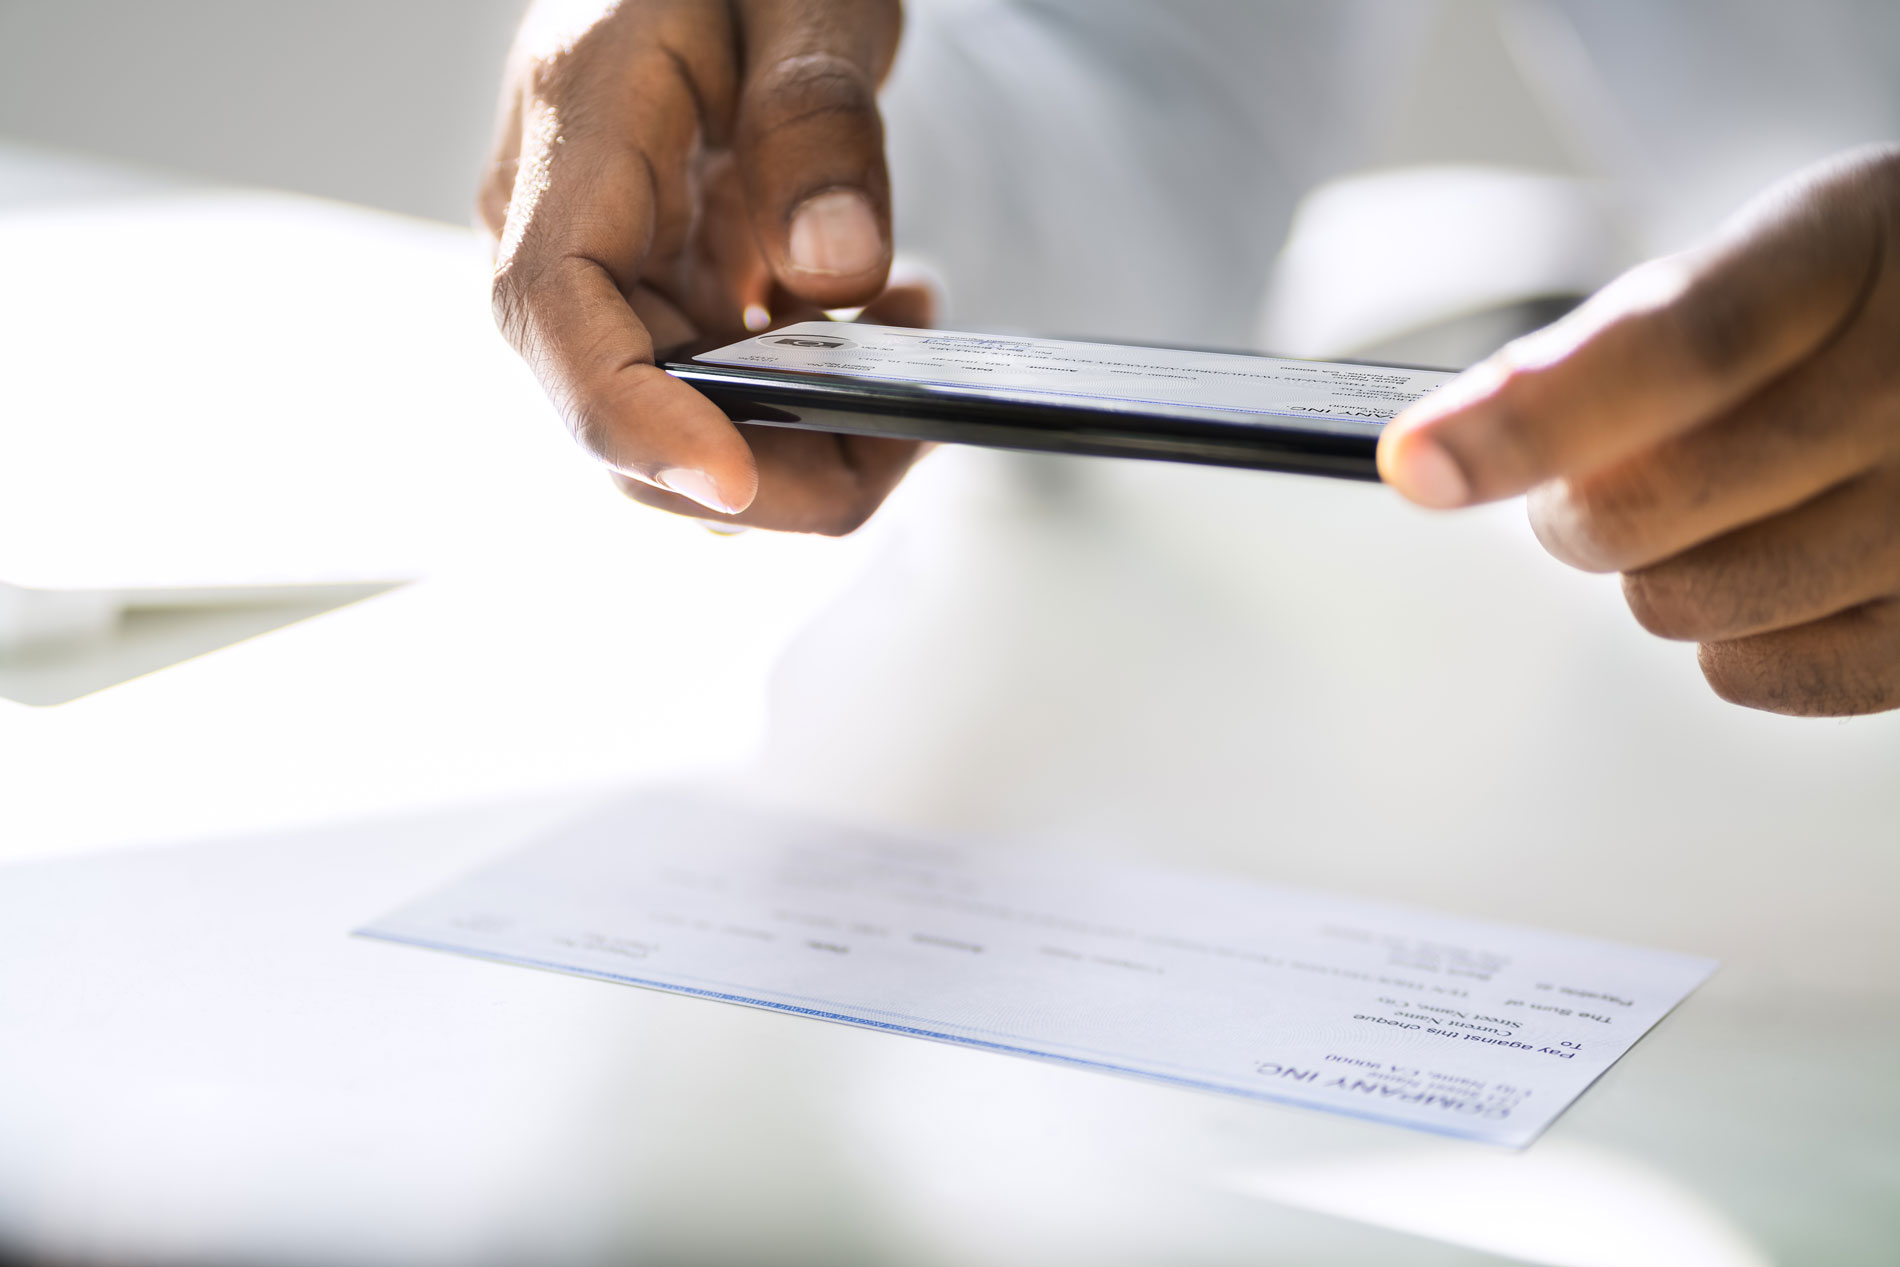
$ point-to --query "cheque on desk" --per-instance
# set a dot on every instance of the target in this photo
(1424, 1020)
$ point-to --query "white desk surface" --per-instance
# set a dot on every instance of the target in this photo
(1284, 678)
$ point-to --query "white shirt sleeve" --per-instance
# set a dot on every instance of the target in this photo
(1128, 169)
(1124, 169)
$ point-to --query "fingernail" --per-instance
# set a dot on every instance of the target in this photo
(836, 233)
(697, 485)
(1424, 472)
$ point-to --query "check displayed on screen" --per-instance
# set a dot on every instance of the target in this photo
(1424, 1020)
(1204, 386)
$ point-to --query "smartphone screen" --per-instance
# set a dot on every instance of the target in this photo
(1060, 395)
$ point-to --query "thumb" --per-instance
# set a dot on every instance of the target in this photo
(810, 144)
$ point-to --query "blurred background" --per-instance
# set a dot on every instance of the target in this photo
(307, 604)
(386, 105)
(391, 105)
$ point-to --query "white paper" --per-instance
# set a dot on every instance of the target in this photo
(1208, 386)
(1478, 1030)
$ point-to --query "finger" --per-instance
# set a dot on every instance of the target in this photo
(666, 326)
(1667, 346)
(1838, 551)
(1828, 420)
(596, 360)
(809, 481)
(740, 281)
(1845, 665)
(820, 482)
(810, 143)
(585, 211)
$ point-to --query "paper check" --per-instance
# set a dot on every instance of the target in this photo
(1185, 383)
(1479, 1030)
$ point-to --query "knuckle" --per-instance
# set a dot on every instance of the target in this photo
(511, 300)
(1518, 440)
(1604, 524)
(560, 70)
(800, 89)
(522, 287)
(515, 295)
(1738, 675)
(590, 430)
(1770, 674)
(1720, 329)
(1722, 590)
(1666, 606)
(507, 301)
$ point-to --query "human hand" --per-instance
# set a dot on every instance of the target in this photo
(668, 169)
(818, 481)
(1722, 427)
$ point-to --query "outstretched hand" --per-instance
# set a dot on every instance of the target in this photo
(1723, 428)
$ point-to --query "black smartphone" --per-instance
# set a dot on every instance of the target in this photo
(1060, 396)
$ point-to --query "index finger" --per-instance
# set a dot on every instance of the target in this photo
(1669, 345)
(591, 202)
